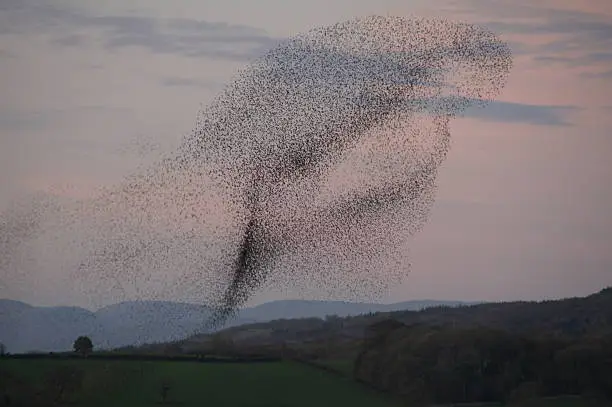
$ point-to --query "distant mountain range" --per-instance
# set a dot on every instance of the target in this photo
(25, 328)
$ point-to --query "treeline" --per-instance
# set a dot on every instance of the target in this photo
(147, 357)
(445, 364)
(566, 318)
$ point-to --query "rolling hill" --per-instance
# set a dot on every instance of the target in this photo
(25, 328)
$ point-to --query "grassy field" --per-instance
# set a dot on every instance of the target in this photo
(37, 383)
(135, 383)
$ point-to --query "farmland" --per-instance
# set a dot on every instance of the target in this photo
(39, 382)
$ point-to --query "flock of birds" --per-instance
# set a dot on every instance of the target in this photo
(312, 168)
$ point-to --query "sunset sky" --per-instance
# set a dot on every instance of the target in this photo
(91, 91)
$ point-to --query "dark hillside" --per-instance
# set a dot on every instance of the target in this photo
(497, 352)
(567, 318)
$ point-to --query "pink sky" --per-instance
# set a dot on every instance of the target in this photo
(523, 208)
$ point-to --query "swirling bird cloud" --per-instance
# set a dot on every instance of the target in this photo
(312, 168)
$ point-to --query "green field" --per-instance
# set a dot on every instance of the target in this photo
(37, 383)
(135, 383)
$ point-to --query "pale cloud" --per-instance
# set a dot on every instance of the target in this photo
(581, 40)
(186, 37)
(549, 32)
(541, 115)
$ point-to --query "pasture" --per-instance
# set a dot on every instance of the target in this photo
(133, 383)
(41, 382)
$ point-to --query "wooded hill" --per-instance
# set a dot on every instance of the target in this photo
(479, 353)
(566, 318)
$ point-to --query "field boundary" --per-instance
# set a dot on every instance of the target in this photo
(328, 369)
(144, 358)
